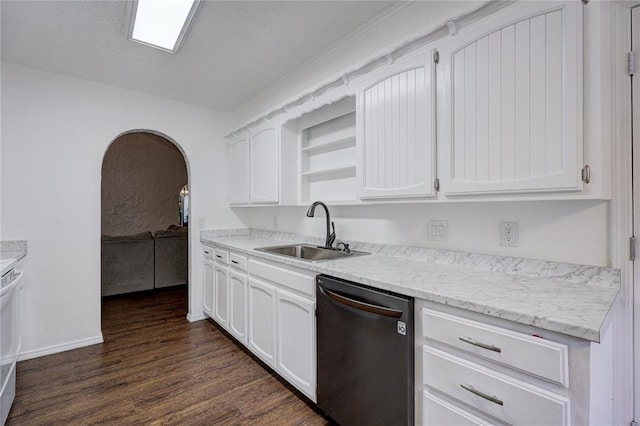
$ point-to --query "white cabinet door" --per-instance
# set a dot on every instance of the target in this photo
(221, 298)
(265, 154)
(396, 130)
(238, 305)
(238, 156)
(208, 285)
(262, 321)
(510, 102)
(296, 337)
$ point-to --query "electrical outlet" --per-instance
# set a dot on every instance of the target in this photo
(509, 234)
(438, 230)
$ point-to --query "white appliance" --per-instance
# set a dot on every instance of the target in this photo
(10, 330)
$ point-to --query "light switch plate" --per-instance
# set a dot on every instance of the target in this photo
(438, 230)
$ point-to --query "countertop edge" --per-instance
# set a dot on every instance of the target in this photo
(573, 330)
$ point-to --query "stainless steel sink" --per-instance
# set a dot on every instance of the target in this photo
(309, 252)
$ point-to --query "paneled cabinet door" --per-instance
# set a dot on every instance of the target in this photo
(510, 111)
(296, 337)
(262, 321)
(221, 298)
(396, 129)
(238, 305)
(238, 155)
(264, 152)
(208, 285)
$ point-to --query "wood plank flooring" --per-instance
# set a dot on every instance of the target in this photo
(155, 368)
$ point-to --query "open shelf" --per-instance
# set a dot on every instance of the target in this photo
(345, 142)
(324, 144)
(328, 173)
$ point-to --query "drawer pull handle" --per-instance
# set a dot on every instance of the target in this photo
(234, 261)
(218, 256)
(470, 341)
(493, 399)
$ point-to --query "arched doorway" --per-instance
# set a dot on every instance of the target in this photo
(145, 239)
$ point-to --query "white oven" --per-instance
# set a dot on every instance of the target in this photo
(10, 330)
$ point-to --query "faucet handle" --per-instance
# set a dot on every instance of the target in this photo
(346, 247)
(332, 235)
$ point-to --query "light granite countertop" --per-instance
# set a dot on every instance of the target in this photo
(11, 252)
(565, 298)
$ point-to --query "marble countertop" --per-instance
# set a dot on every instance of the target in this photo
(565, 298)
(11, 252)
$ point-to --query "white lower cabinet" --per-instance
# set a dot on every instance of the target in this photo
(238, 305)
(207, 281)
(221, 299)
(296, 341)
(478, 370)
(262, 320)
(267, 307)
(508, 399)
(282, 321)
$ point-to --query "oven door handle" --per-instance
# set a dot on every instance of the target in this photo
(362, 306)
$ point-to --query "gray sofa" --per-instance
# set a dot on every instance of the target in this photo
(171, 260)
(144, 261)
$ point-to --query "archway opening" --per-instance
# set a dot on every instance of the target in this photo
(144, 217)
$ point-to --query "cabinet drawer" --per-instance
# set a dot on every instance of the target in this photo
(304, 283)
(496, 394)
(207, 253)
(222, 256)
(533, 355)
(238, 261)
(437, 412)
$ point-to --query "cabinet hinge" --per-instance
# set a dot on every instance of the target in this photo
(436, 184)
(631, 63)
(632, 248)
(436, 57)
(586, 174)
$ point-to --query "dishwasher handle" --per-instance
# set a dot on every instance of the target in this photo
(362, 306)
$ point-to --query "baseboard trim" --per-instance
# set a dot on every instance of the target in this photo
(196, 317)
(54, 349)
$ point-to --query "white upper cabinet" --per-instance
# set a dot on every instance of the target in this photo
(396, 129)
(264, 153)
(510, 102)
(238, 155)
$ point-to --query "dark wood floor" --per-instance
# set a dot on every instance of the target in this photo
(155, 368)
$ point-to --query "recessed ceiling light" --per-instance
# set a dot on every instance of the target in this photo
(161, 23)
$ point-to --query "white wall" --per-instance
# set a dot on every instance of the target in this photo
(567, 231)
(405, 21)
(564, 231)
(55, 131)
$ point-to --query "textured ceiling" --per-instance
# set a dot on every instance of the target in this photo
(234, 50)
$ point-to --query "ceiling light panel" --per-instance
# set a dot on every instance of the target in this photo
(161, 23)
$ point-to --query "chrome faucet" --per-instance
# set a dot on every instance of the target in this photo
(331, 229)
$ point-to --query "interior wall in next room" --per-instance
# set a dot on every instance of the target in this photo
(142, 175)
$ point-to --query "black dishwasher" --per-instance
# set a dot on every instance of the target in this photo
(365, 354)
